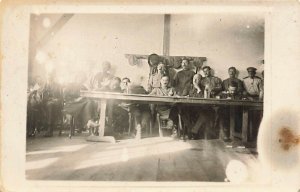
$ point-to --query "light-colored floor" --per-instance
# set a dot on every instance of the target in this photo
(149, 159)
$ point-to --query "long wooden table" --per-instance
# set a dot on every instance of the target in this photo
(246, 105)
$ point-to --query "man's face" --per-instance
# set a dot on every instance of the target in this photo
(164, 81)
(206, 72)
(185, 64)
(231, 73)
(125, 83)
(161, 68)
(251, 73)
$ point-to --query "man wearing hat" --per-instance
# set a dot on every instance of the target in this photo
(253, 85)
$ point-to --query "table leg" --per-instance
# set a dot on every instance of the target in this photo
(102, 104)
(232, 122)
(251, 126)
(101, 138)
(150, 128)
(245, 124)
(129, 122)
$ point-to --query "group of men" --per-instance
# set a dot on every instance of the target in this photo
(162, 81)
(188, 83)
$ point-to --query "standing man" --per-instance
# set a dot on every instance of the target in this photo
(212, 85)
(253, 85)
(232, 80)
(234, 88)
(184, 78)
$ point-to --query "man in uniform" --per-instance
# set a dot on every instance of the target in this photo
(211, 83)
(253, 85)
(232, 80)
(254, 91)
(212, 87)
(184, 78)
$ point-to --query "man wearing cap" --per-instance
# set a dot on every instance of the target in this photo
(211, 84)
(253, 85)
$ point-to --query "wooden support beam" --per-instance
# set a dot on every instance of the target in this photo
(54, 29)
(166, 35)
(232, 122)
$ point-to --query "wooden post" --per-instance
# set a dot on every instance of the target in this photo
(166, 36)
(101, 138)
(102, 104)
(129, 122)
(245, 124)
(232, 122)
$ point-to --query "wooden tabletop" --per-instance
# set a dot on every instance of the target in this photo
(167, 99)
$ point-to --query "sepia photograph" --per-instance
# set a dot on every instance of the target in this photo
(127, 96)
(144, 97)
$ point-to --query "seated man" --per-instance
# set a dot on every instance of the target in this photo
(125, 85)
(224, 112)
(117, 117)
(34, 106)
(212, 85)
(228, 83)
(83, 110)
(102, 79)
(232, 89)
(253, 85)
(52, 102)
(196, 118)
(164, 109)
(140, 112)
(154, 79)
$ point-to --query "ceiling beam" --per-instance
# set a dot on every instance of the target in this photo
(54, 29)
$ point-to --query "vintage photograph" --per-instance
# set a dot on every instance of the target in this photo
(144, 97)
